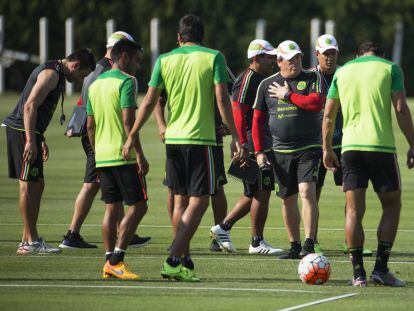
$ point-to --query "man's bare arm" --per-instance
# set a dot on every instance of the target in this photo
(159, 116)
(405, 122)
(47, 80)
(225, 109)
(144, 112)
(90, 126)
(328, 126)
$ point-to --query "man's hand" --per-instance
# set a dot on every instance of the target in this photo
(30, 152)
(126, 149)
(143, 166)
(262, 160)
(161, 131)
(45, 151)
(330, 160)
(410, 158)
(236, 151)
(279, 91)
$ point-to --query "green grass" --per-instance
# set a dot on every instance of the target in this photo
(72, 281)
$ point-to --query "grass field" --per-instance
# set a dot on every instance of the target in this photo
(72, 280)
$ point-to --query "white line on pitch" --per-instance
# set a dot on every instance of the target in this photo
(225, 257)
(204, 227)
(318, 302)
(229, 289)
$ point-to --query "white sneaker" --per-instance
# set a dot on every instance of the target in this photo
(265, 248)
(37, 247)
(223, 238)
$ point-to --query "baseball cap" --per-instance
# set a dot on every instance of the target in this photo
(116, 36)
(287, 49)
(259, 46)
(326, 42)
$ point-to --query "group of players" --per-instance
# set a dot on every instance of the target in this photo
(276, 120)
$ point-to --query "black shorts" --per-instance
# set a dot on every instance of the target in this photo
(219, 161)
(191, 170)
(122, 183)
(380, 167)
(265, 179)
(91, 176)
(337, 175)
(291, 169)
(16, 141)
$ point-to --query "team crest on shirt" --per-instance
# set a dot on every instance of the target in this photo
(266, 181)
(301, 85)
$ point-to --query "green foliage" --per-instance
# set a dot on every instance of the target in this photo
(229, 26)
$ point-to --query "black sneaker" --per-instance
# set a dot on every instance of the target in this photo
(214, 246)
(75, 241)
(304, 252)
(138, 241)
(291, 254)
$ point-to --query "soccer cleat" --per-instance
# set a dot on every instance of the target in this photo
(304, 252)
(386, 279)
(318, 249)
(223, 238)
(344, 249)
(214, 246)
(358, 282)
(178, 273)
(291, 254)
(265, 248)
(119, 271)
(38, 247)
(75, 241)
(138, 241)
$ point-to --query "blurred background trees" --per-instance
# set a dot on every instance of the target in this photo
(230, 26)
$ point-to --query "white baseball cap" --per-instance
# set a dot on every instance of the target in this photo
(259, 46)
(116, 36)
(326, 42)
(287, 49)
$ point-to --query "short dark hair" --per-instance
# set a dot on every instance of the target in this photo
(191, 29)
(370, 46)
(124, 46)
(85, 58)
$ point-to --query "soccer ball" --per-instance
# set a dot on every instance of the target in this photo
(314, 269)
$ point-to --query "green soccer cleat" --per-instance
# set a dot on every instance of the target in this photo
(318, 249)
(179, 273)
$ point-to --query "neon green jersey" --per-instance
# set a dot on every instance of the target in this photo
(111, 92)
(364, 87)
(188, 75)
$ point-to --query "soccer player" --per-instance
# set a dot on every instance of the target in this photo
(190, 75)
(26, 145)
(111, 115)
(262, 59)
(290, 102)
(90, 187)
(365, 88)
(327, 54)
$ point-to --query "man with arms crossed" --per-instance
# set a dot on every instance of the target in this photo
(291, 101)
(190, 75)
(365, 88)
(111, 115)
(90, 187)
(262, 57)
(26, 146)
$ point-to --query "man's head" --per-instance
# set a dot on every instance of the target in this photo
(190, 29)
(370, 48)
(289, 59)
(262, 57)
(78, 65)
(116, 36)
(127, 56)
(326, 51)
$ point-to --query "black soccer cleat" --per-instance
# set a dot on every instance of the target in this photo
(291, 254)
(138, 241)
(75, 241)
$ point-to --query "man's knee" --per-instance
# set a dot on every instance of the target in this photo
(91, 188)
(307, 191)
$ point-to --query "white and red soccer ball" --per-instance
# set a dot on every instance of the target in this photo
(314, 269)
